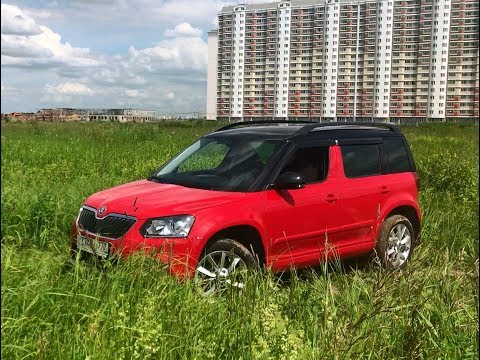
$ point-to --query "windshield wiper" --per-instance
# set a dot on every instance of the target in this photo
(155, 178)
(166, 180)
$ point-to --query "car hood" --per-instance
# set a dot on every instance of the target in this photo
(146, 199)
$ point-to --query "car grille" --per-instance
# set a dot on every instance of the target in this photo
(112, 226)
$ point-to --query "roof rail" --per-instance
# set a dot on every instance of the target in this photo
(266, 122)
(308, 128)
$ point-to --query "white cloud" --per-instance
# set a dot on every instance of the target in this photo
(183, 29)
(134, 93)
(180, 53)
(41, 14)
(56, 98)
(127, 68)
(15, 22)
(186, 10)
(69, 88)
(25, 43)
(10, 92)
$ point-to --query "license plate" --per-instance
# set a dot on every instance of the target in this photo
(93, 246)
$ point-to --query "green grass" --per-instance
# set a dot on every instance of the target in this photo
(136, 311)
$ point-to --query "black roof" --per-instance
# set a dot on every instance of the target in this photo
(266, 131)
(286, 130)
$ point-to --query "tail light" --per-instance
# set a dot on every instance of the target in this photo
(417, 180)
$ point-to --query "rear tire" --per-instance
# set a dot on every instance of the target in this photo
(395, 243)
(224, 265)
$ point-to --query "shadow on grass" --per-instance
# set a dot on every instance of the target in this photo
(337, 267)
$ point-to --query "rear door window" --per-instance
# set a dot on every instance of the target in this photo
(396, 156)
(360, 160)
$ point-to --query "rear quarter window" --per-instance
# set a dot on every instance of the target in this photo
(396, 156)
(360, 160)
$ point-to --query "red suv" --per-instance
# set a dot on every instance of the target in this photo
(274, 194)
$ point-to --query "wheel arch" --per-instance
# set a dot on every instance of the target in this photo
(411, 214)
(246, 235)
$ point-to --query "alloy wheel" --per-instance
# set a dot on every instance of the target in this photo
(220, 270)
(398, 245)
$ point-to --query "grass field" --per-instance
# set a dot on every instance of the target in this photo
(136, 311)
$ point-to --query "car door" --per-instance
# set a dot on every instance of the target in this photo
(298, 220)
(398, 180)
(359, 195)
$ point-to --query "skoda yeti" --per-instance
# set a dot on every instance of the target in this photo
(264, 194)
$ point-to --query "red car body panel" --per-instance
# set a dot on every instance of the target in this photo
(146, 199)
(300, 221)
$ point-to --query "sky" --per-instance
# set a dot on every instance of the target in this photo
(141, 54)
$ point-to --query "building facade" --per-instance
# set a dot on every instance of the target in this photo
(212, 75)
(398, 60)
(122, 115)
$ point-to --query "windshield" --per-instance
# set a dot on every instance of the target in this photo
(226, 164)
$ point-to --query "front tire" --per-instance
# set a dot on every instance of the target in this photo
(395, 243)
(224, 265)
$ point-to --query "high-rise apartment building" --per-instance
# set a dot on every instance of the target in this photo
(401, 60)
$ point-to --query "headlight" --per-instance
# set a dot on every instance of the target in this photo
(171, 226)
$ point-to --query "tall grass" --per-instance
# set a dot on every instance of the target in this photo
(136, 311)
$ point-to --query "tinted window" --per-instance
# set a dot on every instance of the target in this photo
(311, 162)
(396, 155)
(264, 150)
(216, 163)
(360, 160)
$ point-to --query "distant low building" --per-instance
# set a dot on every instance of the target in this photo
(123, 115)
(76, 115)
(61, 114)
(18, 116)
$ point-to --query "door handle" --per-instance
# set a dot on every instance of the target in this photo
(331, 198)
(384, 189)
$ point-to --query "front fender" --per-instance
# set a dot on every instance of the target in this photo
(210, 221)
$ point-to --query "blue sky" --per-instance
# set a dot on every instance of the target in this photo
(149, 54)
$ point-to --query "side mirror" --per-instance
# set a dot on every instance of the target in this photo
(289, 180)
